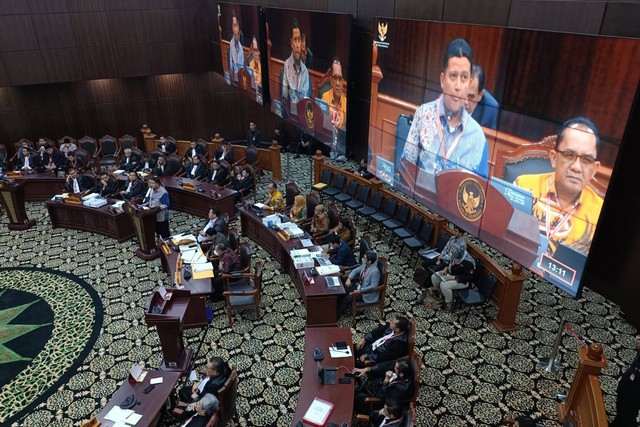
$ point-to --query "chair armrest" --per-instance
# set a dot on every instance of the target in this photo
(238, 162)
(367, 291)
(362, 419)
(372, 400)
(230, 293)
(238, 276)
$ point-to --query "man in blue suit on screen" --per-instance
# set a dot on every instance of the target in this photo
(482, 106)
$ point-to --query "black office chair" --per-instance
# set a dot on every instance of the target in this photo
(386, 213)
(347, 195)
(336, 187)
(485, 284)
(325, 181)
(420, 241)
(362, 197)
(372, 208)
(400, 219)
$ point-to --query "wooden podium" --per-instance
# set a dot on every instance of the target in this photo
(144, 224)
(584, 405)
(12, 199)
(170, 317)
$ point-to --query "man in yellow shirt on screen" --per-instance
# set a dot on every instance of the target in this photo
(335, 98)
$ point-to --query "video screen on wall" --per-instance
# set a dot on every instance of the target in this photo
(309, 70)
(510, 134)
(242, 47)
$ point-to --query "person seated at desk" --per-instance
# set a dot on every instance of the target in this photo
(365, 276)
(161, 167)
(193, 151)
(340, 253)
(298, 211)
(135, 187)
(218, 174)
(225, 152)
(157, 196)
(215, 224)
(386, 342)
(67, 147)
(76, 183)
(146, 163)
(195, 169)
(362, 170)
(214, 375)
(106, 186)
(130, 161)
(344, 230)
(458, 274)
(26, 160)
(167, 146)
(274, 201)
(52, 160)
(229, 262)
(74, 162)
(441, 261)
(242, 183)
(320, 221)
(390, 415)
(199, 413)
(395, 384)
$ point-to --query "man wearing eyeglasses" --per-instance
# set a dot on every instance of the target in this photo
(566, 206)
(335, 97)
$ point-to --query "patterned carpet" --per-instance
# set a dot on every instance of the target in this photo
(472, 375)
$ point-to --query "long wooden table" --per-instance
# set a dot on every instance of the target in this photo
(39, 187)
(199, 201)
(95, 220)
(150, 404)
(195, 286)
(341, 395)
(319, 299)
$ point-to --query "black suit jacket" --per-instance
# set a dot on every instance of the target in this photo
(57, 158)
(137, 190)
(84, 182)
(188, 155)
(134, 163)
(200, 171)
(254, 137)
(228, 158)
(159, 172)
(391, 349)
(110, 188)
(221, 175)
(199, 421)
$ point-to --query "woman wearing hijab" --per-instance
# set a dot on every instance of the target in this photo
(299, 210)
(456, 275)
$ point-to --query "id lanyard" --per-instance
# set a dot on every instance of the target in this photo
(563, 219)
(445, 155)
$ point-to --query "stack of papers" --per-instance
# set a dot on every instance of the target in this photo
(95, 202)
(306, 243)
(193, 255)
(292, 229)
(328, 269)
(90, 196)
(301, 258)
(340, 353)
(318, 412)
(333, 282)
(202, 270)
(122, 417)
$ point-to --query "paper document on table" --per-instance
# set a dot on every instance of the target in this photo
(306, 243)
(318, 412)
(202, 271)
(158, 380)
(260, 205)
(328, 269)
(333, 282)
(117, 171)
(118, 415)
(340, 353)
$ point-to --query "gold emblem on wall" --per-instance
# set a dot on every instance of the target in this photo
(382, 30)
(470, 199)
(245, 80)
(308, 114)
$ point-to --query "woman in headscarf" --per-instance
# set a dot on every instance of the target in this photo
(458, 274)
(299, 210)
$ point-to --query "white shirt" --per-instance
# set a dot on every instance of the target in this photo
(129, 186)
(204, 230)
(193, 170)
(76, 187)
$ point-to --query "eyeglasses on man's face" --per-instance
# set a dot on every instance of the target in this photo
(571, 156)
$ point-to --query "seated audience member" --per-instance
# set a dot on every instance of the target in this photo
(130, 161)
(146, 163)
(482, 106)
(73, 161)
(442, 260)
(215, 224)
(344, 230)
(229, 261)
(254, 137)
(390, 415)
(193, 151)
(396, 385)
(195, 169)
(76, 183)
(298, 211)
(199, 413)
(304, 146)
(225, 152)
(134, 189)
(456, 275)
(26, 160)
(365, 276)
(320, 221)
(214, 375)
(243, 183)
(274, 201)
(362, 170)
(217, 174)
(161, 167)
(52, 160)
(167, 146)
(386, 342)
(67, 147)
(279, 138)
(340, 253)
(106, 186)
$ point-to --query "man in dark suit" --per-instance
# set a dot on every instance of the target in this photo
(389, 416)
(225, 152)
(135, 188)
(106, 186)
(340, 253)
(214, 225)
(77, 183)
(200, 412)
(26, 160)
(386, 342)
(395, 384)
(253, 136)
(130, 161)
(195, 169)
(482, 106)
(52, 159)
(193, 151)
(161, 167)
(167, 145)
(279, 138)
(217, 174)
(215, 373)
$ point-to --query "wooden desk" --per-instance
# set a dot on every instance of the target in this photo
(197, 287)
(100, 220)
(199, 202)
(150, 404)
(320, 300)
(39, 187)
(341, 395)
